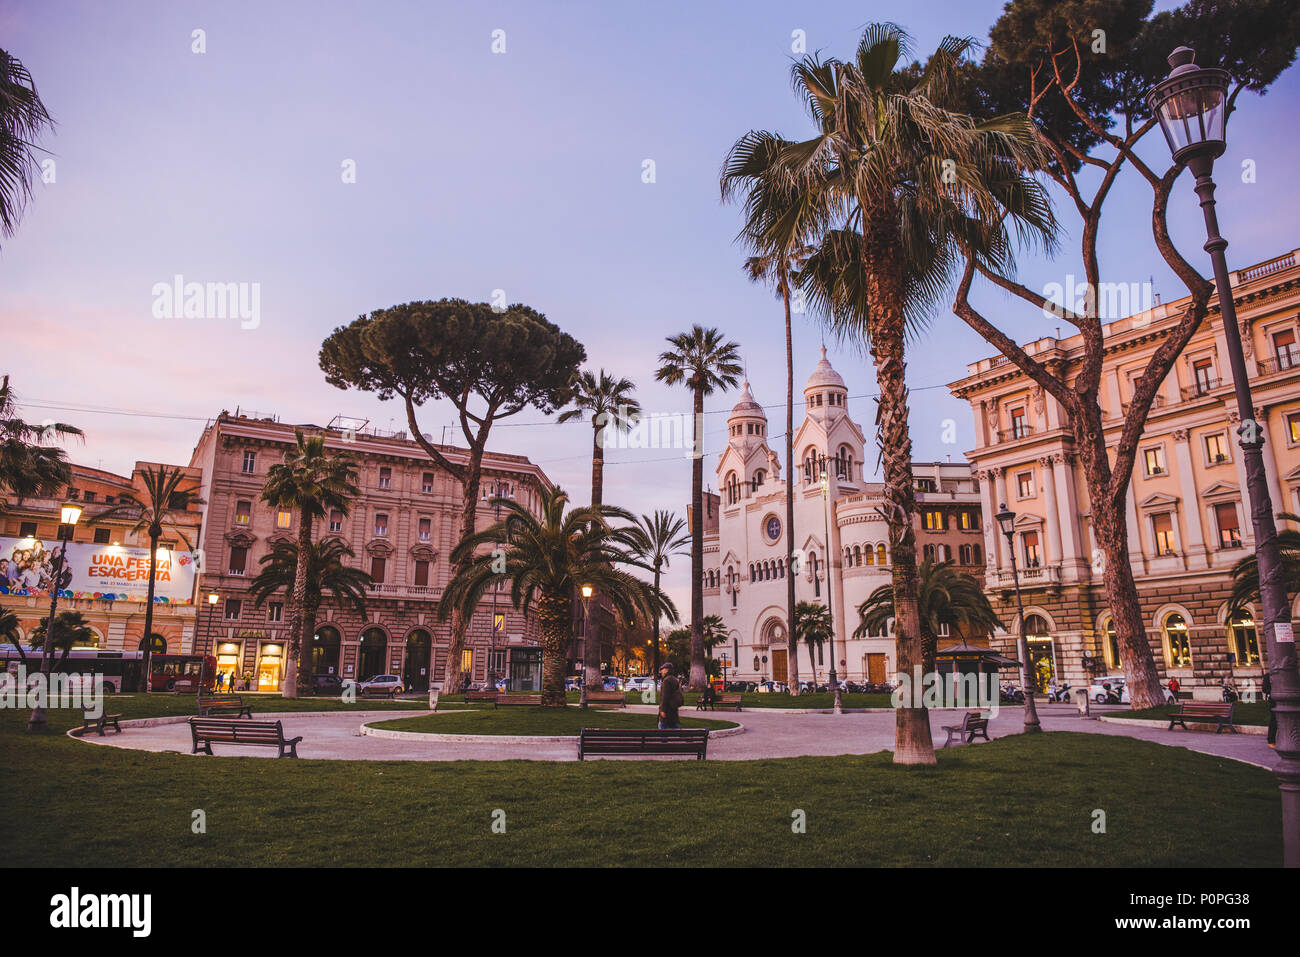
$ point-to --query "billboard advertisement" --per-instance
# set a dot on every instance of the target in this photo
(106, 572)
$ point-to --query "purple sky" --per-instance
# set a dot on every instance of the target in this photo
(475, 171)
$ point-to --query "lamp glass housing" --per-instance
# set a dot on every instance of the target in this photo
(1004, 518)
(1191, 105)
(70, 513)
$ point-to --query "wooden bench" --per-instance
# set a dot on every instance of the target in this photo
(974, 723)
(390, 692)
(631, 741)
(727, 702)
(1183, 695)
(481, 695)
(1217, 711)
(223, 704)
(224, 731)
(617, 698)
(519, 699)
(100, 723)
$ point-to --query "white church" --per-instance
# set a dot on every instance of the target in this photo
(745, 536)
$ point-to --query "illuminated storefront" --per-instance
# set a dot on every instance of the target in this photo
(270, 667)
(230, 656)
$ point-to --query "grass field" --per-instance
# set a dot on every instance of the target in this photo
(535, 721)
(1254, 712)
(750, 699)
(1015, 801)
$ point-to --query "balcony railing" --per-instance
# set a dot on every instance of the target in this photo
(1035, 577)
(1015, 432)
(1281, 362)
(385, 590)
(1202, 387)
(1266, 269)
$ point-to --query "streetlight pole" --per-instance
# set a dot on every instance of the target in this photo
(586, 637)
(213, 598)
(1005, 519)
(1191, 105)
(69, 515)
(830, 570)
(498, 489)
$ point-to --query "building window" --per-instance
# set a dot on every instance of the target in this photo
(27, 530)
(385, 477)
(425, 529)
(275, 611)
(238, 559)
(467, 660)
(421, 573)
(1216, 449)
(1154, 460)
(1243, 639)
(233, 607)
(283, 518)
(1025, 485)
(927, 553)
(969, 520)
(1225, 516)
(1293, 428)
(1019, 427)
(336, 520)
(1203, 375)
(977, 554)
(880, 554)
(1285, 349)
(925, 485)
(250, 462)
(1162, 527)
(426, 482)
(102, 536)
(1110, 644)
(381, 526)
(1032, 557)
(933, 520)
(89, 497)
(377, 565)
(1178, 649)
(243, 510)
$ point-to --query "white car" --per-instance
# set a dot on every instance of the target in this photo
(639, 683)
(391, 684)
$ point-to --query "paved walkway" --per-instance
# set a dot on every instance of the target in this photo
(336, 735)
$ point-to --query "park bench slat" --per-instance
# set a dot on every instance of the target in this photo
(206, 731)
(533, 700)
(224, 704)
(1217, 711)
(650, 741)
(101, 723)
(607, 697)
(972, 724)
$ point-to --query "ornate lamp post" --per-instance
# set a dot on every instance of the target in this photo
(1006, 518)
(499, 490)
(69, 515)
(213, 598)
(586, 637)
(830, 568)
(1192, 107)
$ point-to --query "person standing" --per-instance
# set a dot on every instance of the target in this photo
(670, 699)
(1174, 685)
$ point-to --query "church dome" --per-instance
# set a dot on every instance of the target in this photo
(824, 376)
(746, 407)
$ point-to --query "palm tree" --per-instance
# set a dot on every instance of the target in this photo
(657, 538)
(325, 569)
(155, 512)
(9, 632)
(612, 408)
(29, 468)
(72, 630)
(312, 482)
(547, 559)
(1245, 574)
(701, 361)
(812, 626)
(22, 118)
(947, 599)
(906, 186)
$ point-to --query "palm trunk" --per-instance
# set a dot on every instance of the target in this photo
(591, 677)
(291, 686)
(883, 274)
(789, 486)
(698, 678)
(554, 619)
(597, 469)
(148, 605)
(310, 608)
(452, 683)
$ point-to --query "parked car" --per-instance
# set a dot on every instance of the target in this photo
(389, 683)
(638, 683)
(612, 683)
(573, 683)
(326, 684)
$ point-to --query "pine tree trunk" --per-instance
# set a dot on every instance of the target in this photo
(789, 488)
(554, 620)
(698, 677)
(452, 683)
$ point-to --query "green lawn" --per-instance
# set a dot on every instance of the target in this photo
(749, 699)
(536, 721)
(162, 705)
(1254, 712)
(1015, 801)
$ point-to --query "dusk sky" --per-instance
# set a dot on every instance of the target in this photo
(475, 171)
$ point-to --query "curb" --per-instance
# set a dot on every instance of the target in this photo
(1191, 725)
(265, 716)
(368, 731)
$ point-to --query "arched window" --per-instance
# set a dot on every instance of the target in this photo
(977, 555)
(1178, 649)
(817, 582)
(156, 644)
(868, 555)
(1110, 644)
(857, 554)
(752, 576)
(881, 558)
(758, 479)
(733, 488)
(1243, 640)
(780, 567)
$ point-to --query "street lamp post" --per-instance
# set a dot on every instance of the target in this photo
(586, 637)
(69, 515)
(1191, 105)
(213, 598)
(830, 569)
(1005, 519)
(499, 490)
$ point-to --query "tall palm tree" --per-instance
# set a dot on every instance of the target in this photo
(907, 185)
(22, 119)
(28, 467)
(1245, 574)
(325, 570)
(547, 559)
(657, 538)
(947, 598)
(812, 626)
(9, 632)
(312, 482)
(612, 408)
(168, 493)
(71, 630)
(705, 364)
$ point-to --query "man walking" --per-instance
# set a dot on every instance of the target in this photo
(670, 699)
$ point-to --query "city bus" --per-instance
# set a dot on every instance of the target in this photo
(120, 669)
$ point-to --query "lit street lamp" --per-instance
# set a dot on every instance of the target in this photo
(1006, 518)
(1192, 107)
(213, 598)
(586, 637)
(69, 515)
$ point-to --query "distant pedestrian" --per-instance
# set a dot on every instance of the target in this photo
(1173, 688)
(671, 699)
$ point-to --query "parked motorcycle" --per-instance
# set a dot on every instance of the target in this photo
(1061, 695)
(1230, 693)
(1010, 694)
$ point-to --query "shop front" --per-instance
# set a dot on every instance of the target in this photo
(525, 669)
(270, 666)
(230, 657)
(1042, 652)
(415, 671)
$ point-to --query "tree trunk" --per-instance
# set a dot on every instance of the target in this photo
(452, 683)
(305, 671)
(1110, 526)
(597, 469)
(555, 620)
(291, 685)
(148, 605)
(789, 488)
(698, 678)
(884, 280)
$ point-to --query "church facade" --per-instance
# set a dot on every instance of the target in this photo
(842, 543)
